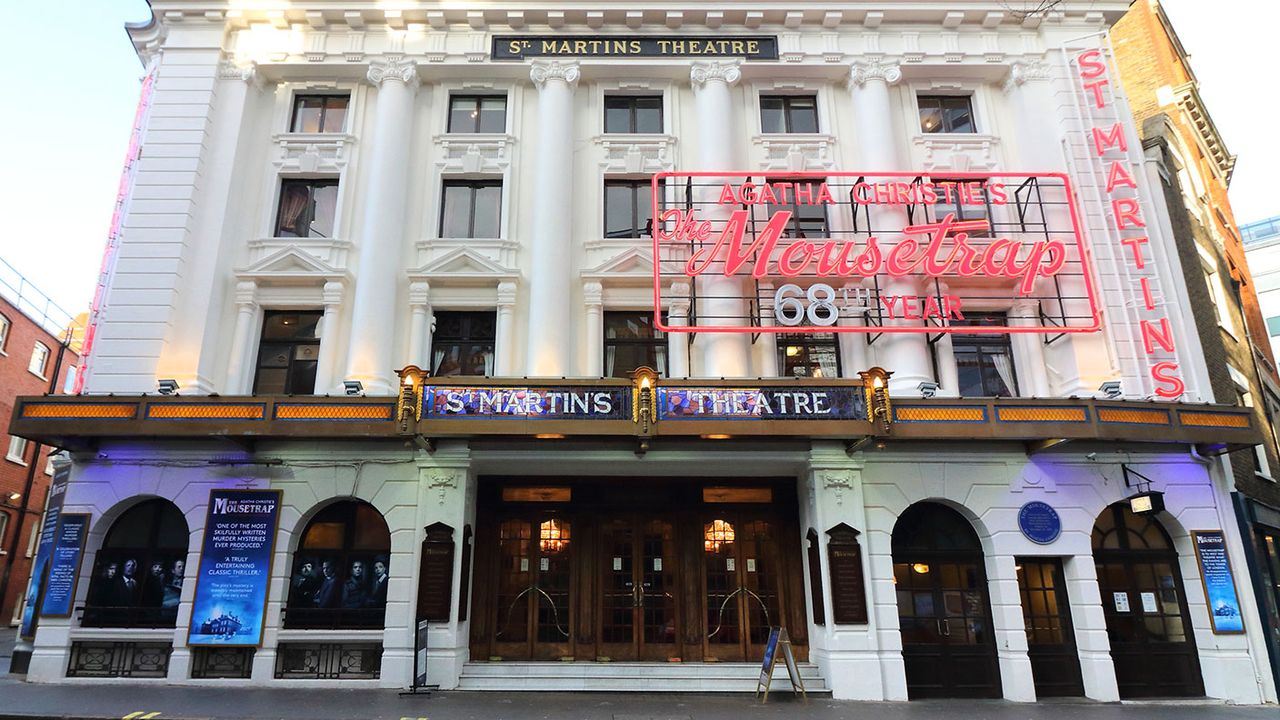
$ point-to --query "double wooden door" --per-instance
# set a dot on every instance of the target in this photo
(639, 616)
(1046, 614)
(742, 585)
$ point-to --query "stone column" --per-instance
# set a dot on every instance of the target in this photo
(948, 368)
(381, 238)
(853, 348)
(421, 317)
(330, 336)
(550, 335)
(905, 354)
(1028, 350)
(721, 299)
(504, 362)
(678, 342)
(1090, 624)
(242, 344)
(593, 298)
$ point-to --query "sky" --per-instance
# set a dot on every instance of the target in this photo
(65, 149)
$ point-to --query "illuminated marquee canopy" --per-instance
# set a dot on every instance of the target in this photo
(871, 253)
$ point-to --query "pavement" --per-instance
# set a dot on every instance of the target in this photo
(8, 636)
(131, 701)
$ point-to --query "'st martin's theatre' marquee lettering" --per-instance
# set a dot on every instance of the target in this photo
(749, 47)
(826, 247)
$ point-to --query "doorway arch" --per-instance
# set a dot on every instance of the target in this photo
(1145, 606)
(944, 609)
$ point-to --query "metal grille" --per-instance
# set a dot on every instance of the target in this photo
(119, 659)
(329, 661)
(221, 662)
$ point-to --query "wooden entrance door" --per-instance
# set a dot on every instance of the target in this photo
(1152, 644)
(533, 613)
(639, 607)
(742, 585)
(1051, 645)
(948, 646)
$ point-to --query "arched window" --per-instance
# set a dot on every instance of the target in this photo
(341, 569)
(138, 573)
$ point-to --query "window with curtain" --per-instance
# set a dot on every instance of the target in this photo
(17, 450)
(471, 209)
(815, 355)
(631, 341)
(789, 113)
(628, 208)
(39, 359)
(307, 208)
(4, 531)
(633, 114)
(463, 343)
(4, 332)
(341, 569)
(288, 353)
(477, 113)
(319, 113)
(984, 361)
(946, 114)
(969, 203)
(138, 573)
(808, 218)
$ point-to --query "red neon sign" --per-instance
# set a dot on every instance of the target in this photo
(844, 244)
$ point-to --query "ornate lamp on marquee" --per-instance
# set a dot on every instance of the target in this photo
(644, 402)
(409, 403)
(875, 383)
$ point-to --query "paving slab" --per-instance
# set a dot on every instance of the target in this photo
(19, 699)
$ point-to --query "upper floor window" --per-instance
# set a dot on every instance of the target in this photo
(814, 355)
(307, 208)
(288, 353)
(39, 359)
(319, 113)
(463, 343)
(946, 114)
(966, 200)
(631, 341)
(789, 113)
(17, 450)
(477, 113)
(4, 332)
(808, 215)
(138, 573)
(4, 529)
(633, 114)
(984, 362)
(1221, 303)
(1273, 326)
(628, 208)
(472, 209)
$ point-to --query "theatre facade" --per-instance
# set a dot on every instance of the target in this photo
(544, 347)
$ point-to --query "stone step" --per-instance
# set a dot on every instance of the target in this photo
(630, 677)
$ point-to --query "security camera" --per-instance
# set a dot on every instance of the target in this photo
(1091, 457)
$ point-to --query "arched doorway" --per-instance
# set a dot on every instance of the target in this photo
(1152, 643)
(138, 573)
(341, 569)
(948, 645)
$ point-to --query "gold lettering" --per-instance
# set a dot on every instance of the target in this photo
(753, 47)
(548, 47)
(579, 47)
(677, 47)
(723, 46)
(620, 47)
(514, 47)
(634, 47)
(595, 47)
(664, 47)
(739, 47)
(565, 48)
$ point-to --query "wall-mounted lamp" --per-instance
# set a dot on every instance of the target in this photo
(409, 402)
(167, 386)
(1146, 501)
(927, 389)
(875, 385)
(1111, 389)
(14, 496)
(353, 387)
(644, 403)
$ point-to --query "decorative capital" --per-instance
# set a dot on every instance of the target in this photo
(506, 294)
(863, 72)
(703, 72)
(246, 72)
(541, 72)
(247, 294)
(593, 293)
(420, 294)
(393, 68)
(332, 292)
(1025, 71)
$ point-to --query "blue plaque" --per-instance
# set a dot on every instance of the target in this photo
(1039, 522)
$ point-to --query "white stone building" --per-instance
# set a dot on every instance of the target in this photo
(327, 192)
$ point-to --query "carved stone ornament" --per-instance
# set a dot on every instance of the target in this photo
(248, 72)
(862, 72)
(838, 482)
(703, 72)
(541, 72)
(383, 69)
(1025, 71)
(442, 482)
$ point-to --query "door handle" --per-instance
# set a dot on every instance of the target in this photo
(637, 598)
(946, 627)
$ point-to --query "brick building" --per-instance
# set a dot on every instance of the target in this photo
(1191, 161)
(33, 361)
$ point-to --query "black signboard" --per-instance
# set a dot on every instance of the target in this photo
(747, 47)
(435, 579)
(848, 587)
